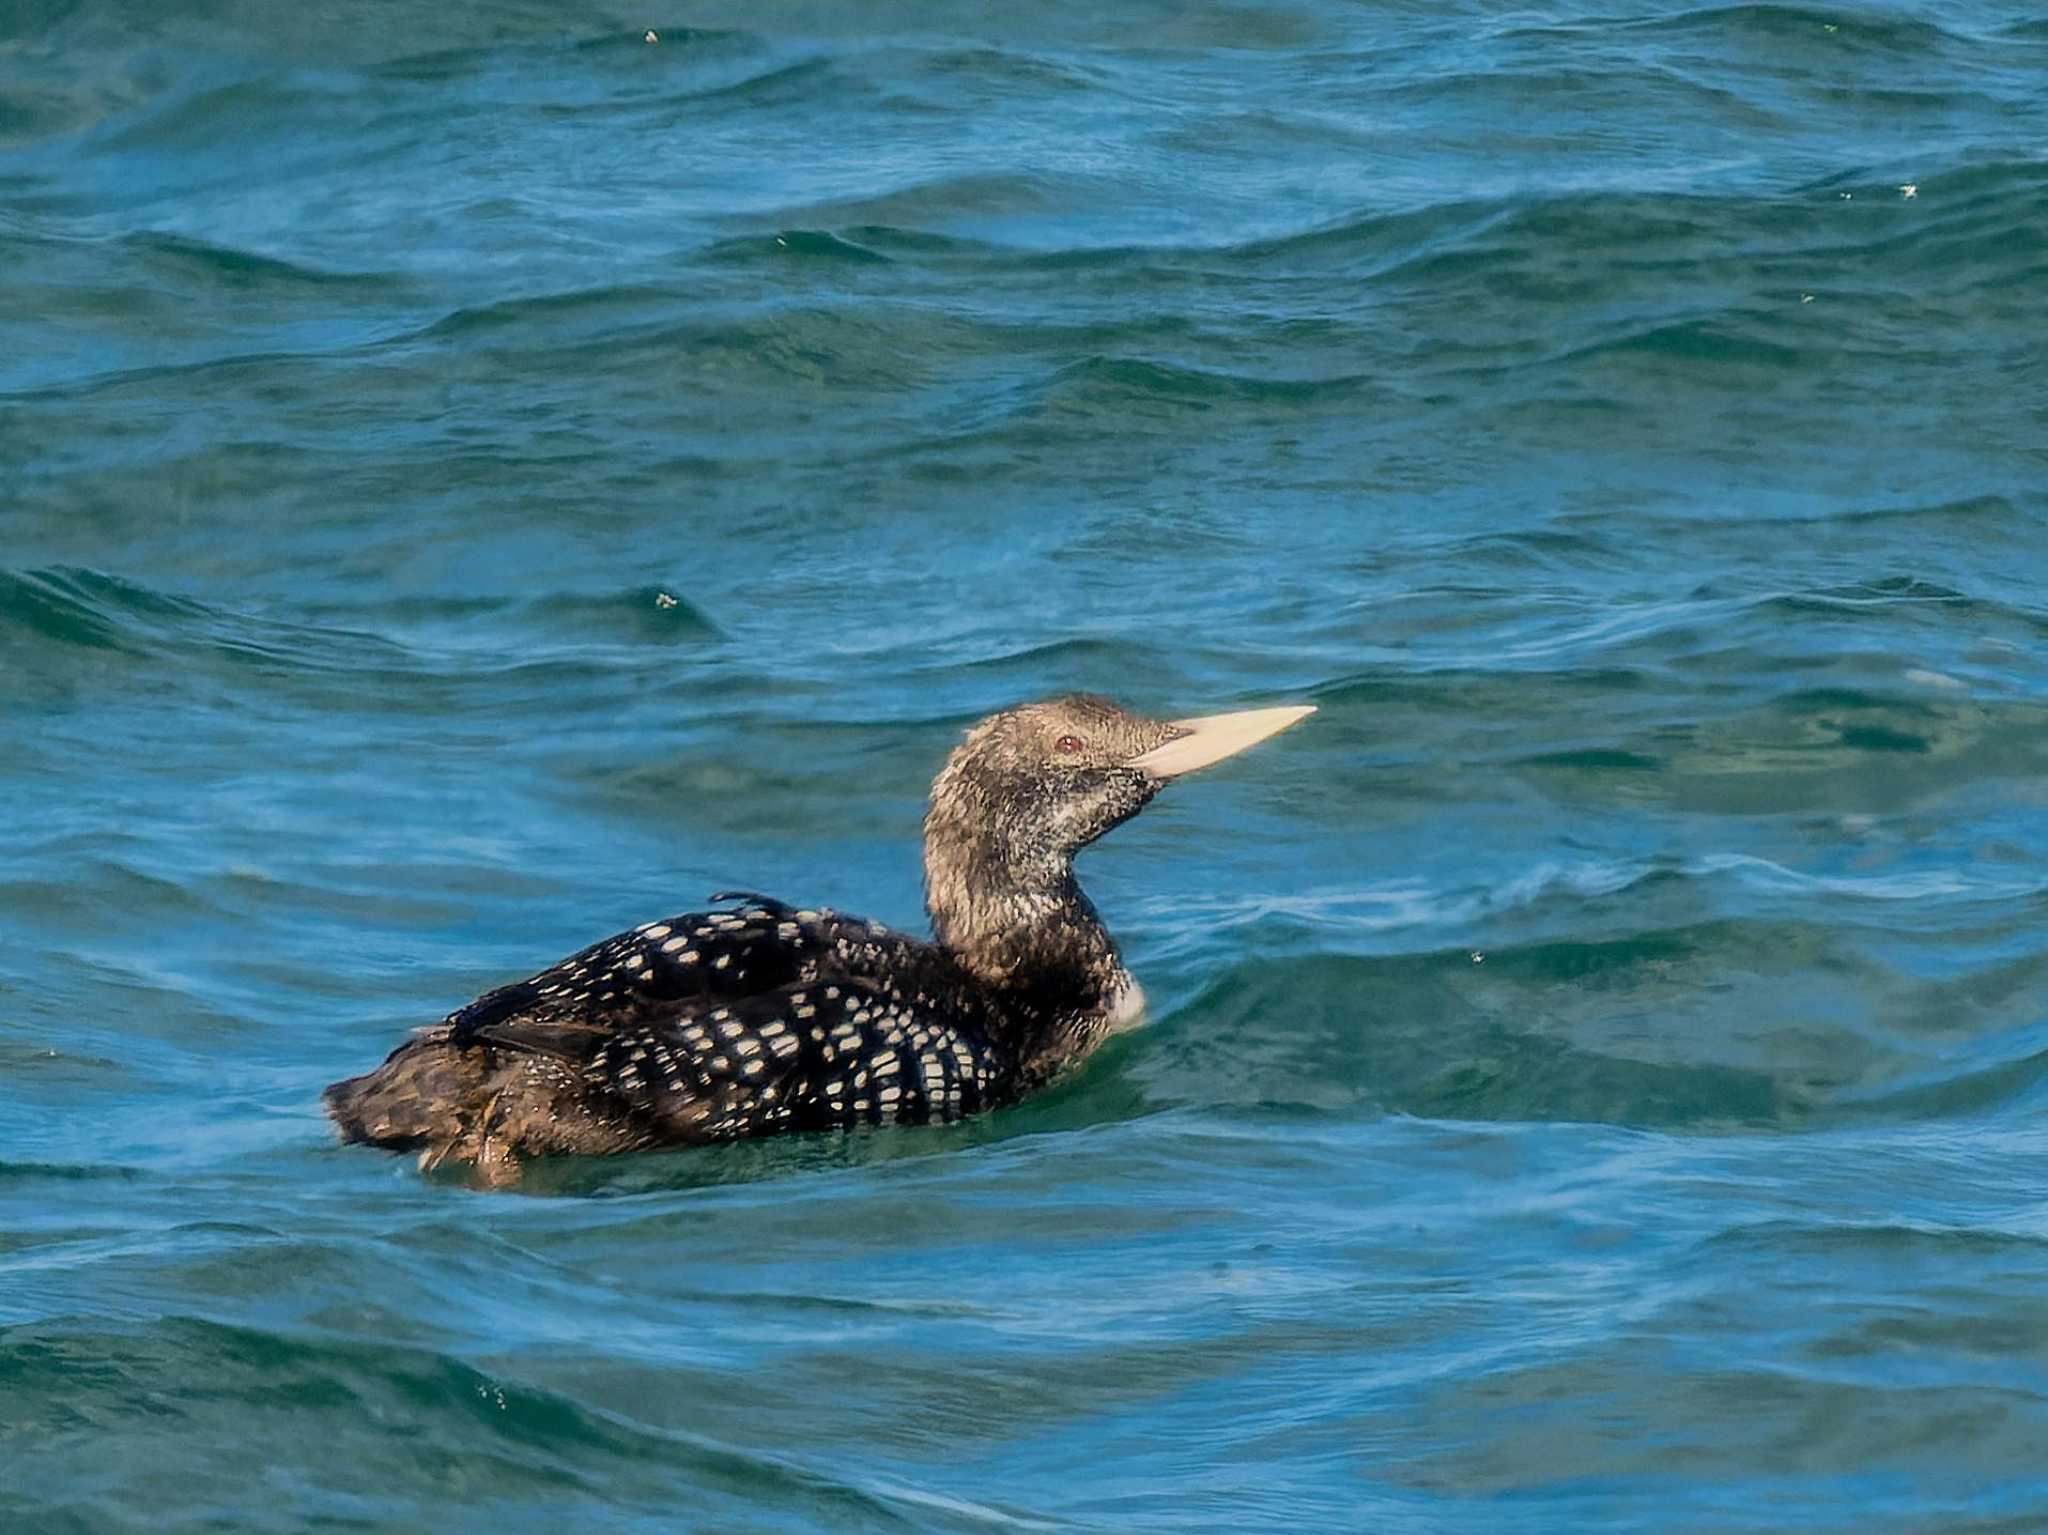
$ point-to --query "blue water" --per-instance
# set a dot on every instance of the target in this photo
(472, 480)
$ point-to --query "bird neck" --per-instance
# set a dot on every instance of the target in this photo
(1019, 923)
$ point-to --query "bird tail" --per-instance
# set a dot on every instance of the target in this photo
(421, 1098)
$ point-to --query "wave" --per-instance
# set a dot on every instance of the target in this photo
(777, 344)
(68, 1172)
(2000, 1073)
(1101, 382)
(1972, 519)
(456, 62)
(796, 246)
(791, 82)
(82, 608)
(1411, 904)
(192, 263)
(1478, 1032)
(167, 1376)
(1970, 231)
(1921, 887)
(77, 608)
(1538, 626)
(1886, 1240)
(1400, 904)
(1328, 1035)
(1831, 30)
(536, 311)
(1967, 235)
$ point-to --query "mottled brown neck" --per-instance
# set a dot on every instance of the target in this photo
(1007, 907)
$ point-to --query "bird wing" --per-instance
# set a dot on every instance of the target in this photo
(715, 1024)
(804, 1056)
(664, 969)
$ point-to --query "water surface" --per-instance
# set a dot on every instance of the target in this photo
(1597, 1065)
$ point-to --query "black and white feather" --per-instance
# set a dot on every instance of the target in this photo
(719, 1024)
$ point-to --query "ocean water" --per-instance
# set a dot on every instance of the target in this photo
(472, 479)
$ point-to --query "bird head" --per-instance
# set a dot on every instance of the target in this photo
(1030, 787)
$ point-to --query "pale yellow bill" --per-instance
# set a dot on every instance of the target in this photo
(1213, 737)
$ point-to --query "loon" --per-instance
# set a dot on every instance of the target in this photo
(761, 1018)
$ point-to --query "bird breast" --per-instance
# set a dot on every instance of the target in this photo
(1127, 1008)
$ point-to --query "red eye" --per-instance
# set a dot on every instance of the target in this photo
(1067, 744)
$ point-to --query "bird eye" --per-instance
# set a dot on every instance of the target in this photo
(1067, 744)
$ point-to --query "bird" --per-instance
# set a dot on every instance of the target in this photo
(758, 1018)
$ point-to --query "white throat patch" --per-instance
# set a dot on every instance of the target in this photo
(1128, 1010)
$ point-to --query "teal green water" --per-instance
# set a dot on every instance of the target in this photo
(1598, 1066)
